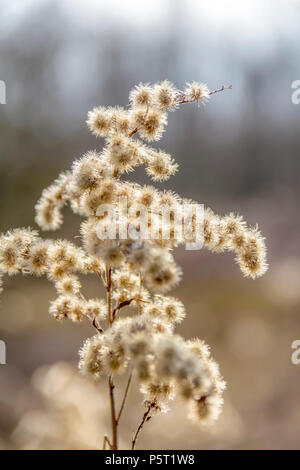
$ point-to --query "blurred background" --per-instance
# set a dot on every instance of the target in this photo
(240, 153)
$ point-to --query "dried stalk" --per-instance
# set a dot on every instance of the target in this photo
(106, 441)
(111, 386)
(124, 398)
(185, 100)
(114, 424)
(146, 417)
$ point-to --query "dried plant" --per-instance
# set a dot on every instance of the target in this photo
(136, 270)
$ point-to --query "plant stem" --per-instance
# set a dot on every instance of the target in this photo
(111, 386)
(106, 441)
(186, 100)
(114, 424)
(124, 398)
(108, 290)
(145, 418)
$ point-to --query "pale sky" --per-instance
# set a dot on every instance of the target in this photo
(248, 17)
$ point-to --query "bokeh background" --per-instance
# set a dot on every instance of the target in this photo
(239, 153)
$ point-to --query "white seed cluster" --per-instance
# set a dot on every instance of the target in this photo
(137, 272)
(165, 364)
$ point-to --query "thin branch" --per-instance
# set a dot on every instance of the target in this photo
(111, 386)
(134, 131)
(121, 305)
(94, 321)
(124, 398)
(146, 417)
(124, 304)
(95, 325)
(185, 100)
(108, 290)
(114, 423)
(106, 441)
(223, 87)
(141, 285)
(101, 275)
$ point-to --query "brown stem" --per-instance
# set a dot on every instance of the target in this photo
(125, 303)
(141, 285)
(111, 386)
(134, 131)
(108, 290)
(185, 100)
(94, 321)
(121, 305)
(145, 418)
(223, 87)
(114, 424)
(106, 441)
(124, 398)
(95, 325)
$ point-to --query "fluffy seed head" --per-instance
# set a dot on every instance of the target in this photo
(110, 253)
(99, 121)
(197, 92)
(165, 95)
(252, 257)
(206, 410)
(39, 258)
(172, 308)
(90, 357)
(152, 126)
(102, 194)
(161, 166)
(121, 120)
(95, 309)
(141, 95)
(88, 171)
(9, 258)
(68, 285)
